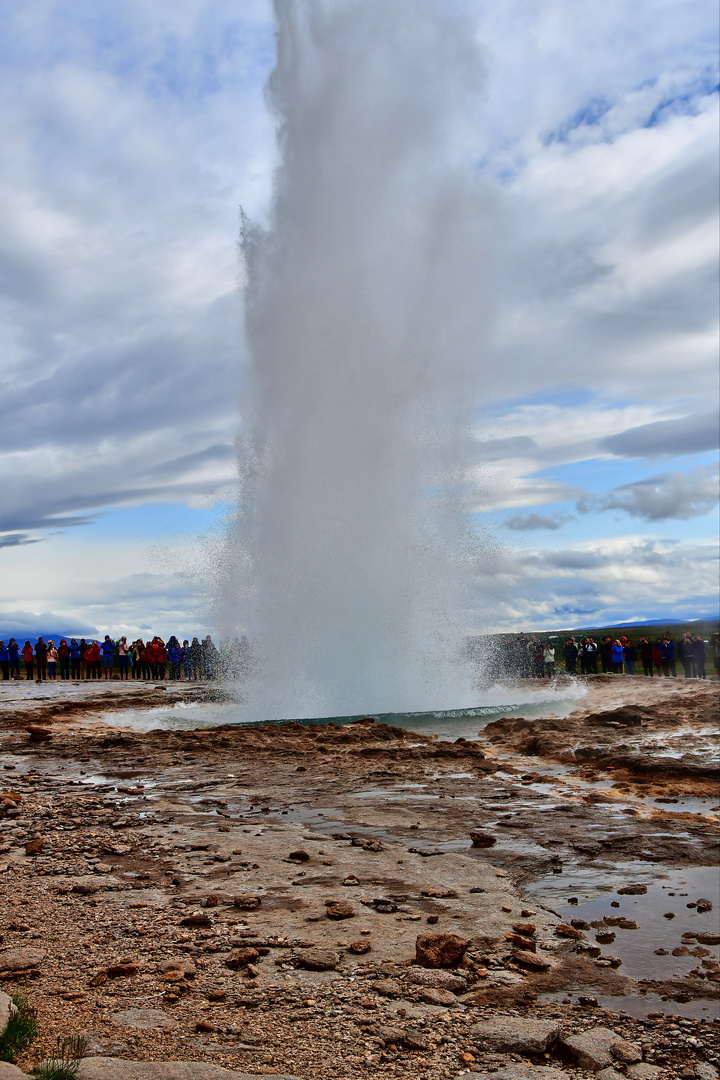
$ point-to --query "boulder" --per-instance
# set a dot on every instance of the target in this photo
(437, 980)
(11, 1072)
(599, 1048)
(7, 1009)
(20, 959)
(514, 1035)
(318, 959)
(439, 950)
(105, 1068)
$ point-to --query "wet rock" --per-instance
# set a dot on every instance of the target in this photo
(38, 734)
(439, 950)
(514, 1035)
(482, 839)
(704, 905)
(317, 960)
(706, 938)
(632, 890)
(437, 980)
(530, 960)
(621, 922)
(605, 937)
(20, 959)
(437, 997)
(599, 1048)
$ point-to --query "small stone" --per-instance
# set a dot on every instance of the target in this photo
(359, 947)
(567, 931)
(34, 847)
(211, 901)
(122, 971)
(439, 950)
(299, 856)
(388, 988)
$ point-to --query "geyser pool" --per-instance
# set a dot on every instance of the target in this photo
(350, 566)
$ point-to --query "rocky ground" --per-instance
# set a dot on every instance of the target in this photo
(362, 901)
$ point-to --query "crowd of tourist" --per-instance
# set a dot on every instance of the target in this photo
(153, 659)
(531, 657)
(523, 657)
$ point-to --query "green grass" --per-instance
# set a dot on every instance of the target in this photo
(21, 1030)
(65, 1062)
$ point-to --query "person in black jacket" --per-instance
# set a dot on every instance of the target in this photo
(41, 660)
(605, 651)
(570, 652)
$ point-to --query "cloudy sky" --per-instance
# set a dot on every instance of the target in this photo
(130, 136)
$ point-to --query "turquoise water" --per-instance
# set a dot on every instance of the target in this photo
(444, 723)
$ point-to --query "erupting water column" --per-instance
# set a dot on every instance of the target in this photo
(366, 308)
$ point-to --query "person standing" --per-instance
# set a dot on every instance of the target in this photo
(630, 657)
(92, 660)
(716, 653)
(668, 649)
(52, 658)
(646, 655)
(4, 662)
(605, 651)
(14, 654)
(684, 654)
(174, 658)
(186, 658)
(64, 659)
(571, 654)
(29, 660)
(196, 653)
(617, 657)
(107, 650)
(83, 662)
(161, 658)
(699, 654)
(658, 658)
(549, 660)
(41, 659)
(123, 657)
(75, 657)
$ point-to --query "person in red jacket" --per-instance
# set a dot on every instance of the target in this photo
(151, 658)
(29, 659)
(92, 659)
(161, 655)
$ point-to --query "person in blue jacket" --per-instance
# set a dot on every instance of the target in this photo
(14, 654)
(108, 652)
(618, 657)
(4, 661)
(75, 658)
(668, 657)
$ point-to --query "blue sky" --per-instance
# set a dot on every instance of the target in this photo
(130, 137)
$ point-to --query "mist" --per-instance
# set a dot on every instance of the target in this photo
(368, 299)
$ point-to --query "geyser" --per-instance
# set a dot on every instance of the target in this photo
(349, 566)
